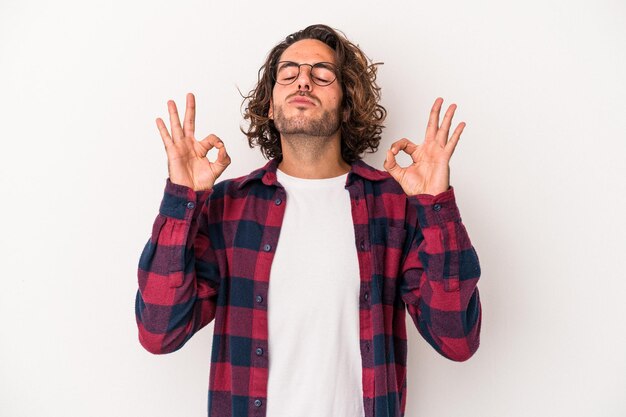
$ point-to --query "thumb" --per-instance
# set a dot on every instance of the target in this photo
(223, 159)
(391, 166)
(209, 143)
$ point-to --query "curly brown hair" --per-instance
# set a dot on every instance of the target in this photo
(361, 128)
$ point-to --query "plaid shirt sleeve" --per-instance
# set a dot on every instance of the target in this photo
(439, 277)
(178, 273)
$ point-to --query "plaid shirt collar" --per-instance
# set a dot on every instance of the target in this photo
(267, 173)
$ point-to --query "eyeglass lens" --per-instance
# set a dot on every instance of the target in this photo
(322, 73)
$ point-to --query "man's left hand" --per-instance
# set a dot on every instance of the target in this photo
(430, 171)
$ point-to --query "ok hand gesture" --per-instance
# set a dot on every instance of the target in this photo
(186, 157)
(430, 171)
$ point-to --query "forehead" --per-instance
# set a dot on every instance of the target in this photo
(308, 51)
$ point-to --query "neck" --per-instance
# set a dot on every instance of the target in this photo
(312, 157)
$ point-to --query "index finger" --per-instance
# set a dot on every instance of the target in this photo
(189, 126)
(403, 145)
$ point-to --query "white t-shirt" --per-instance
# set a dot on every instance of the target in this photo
(314, 356)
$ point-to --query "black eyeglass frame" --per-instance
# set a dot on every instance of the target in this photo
(323, 64)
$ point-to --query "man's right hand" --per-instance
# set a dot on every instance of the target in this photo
(186, 157)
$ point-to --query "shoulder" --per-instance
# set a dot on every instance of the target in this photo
(381, 182)
(241, 186)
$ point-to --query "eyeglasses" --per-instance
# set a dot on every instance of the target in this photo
(322, 73)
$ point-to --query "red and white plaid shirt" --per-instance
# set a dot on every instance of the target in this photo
(210, 255)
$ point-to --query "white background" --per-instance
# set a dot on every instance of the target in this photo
(539, 178)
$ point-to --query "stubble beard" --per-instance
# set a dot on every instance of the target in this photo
(307, 138)
(302, 126)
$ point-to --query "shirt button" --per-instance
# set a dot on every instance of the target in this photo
(190, 205)
(259, 299)
(362, 245)
(278, 201)
(437, 207)
(258, 403)
(267, 247)
(259, 351)
(366, 296)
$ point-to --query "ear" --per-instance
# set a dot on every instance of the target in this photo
(270, 112)
(346, 114)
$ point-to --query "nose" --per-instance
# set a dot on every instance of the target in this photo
(304, 78)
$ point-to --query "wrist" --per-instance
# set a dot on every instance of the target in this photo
(435, 191)
(180, 183)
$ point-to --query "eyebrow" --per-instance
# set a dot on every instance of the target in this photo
(328, 65)
(325, 64)
(287, 64)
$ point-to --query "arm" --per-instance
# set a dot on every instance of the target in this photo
(439, 275)
(178, 272)
(440, 270)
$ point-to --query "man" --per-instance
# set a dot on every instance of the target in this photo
(347, 249)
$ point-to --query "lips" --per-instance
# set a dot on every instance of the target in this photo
(301, 100)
